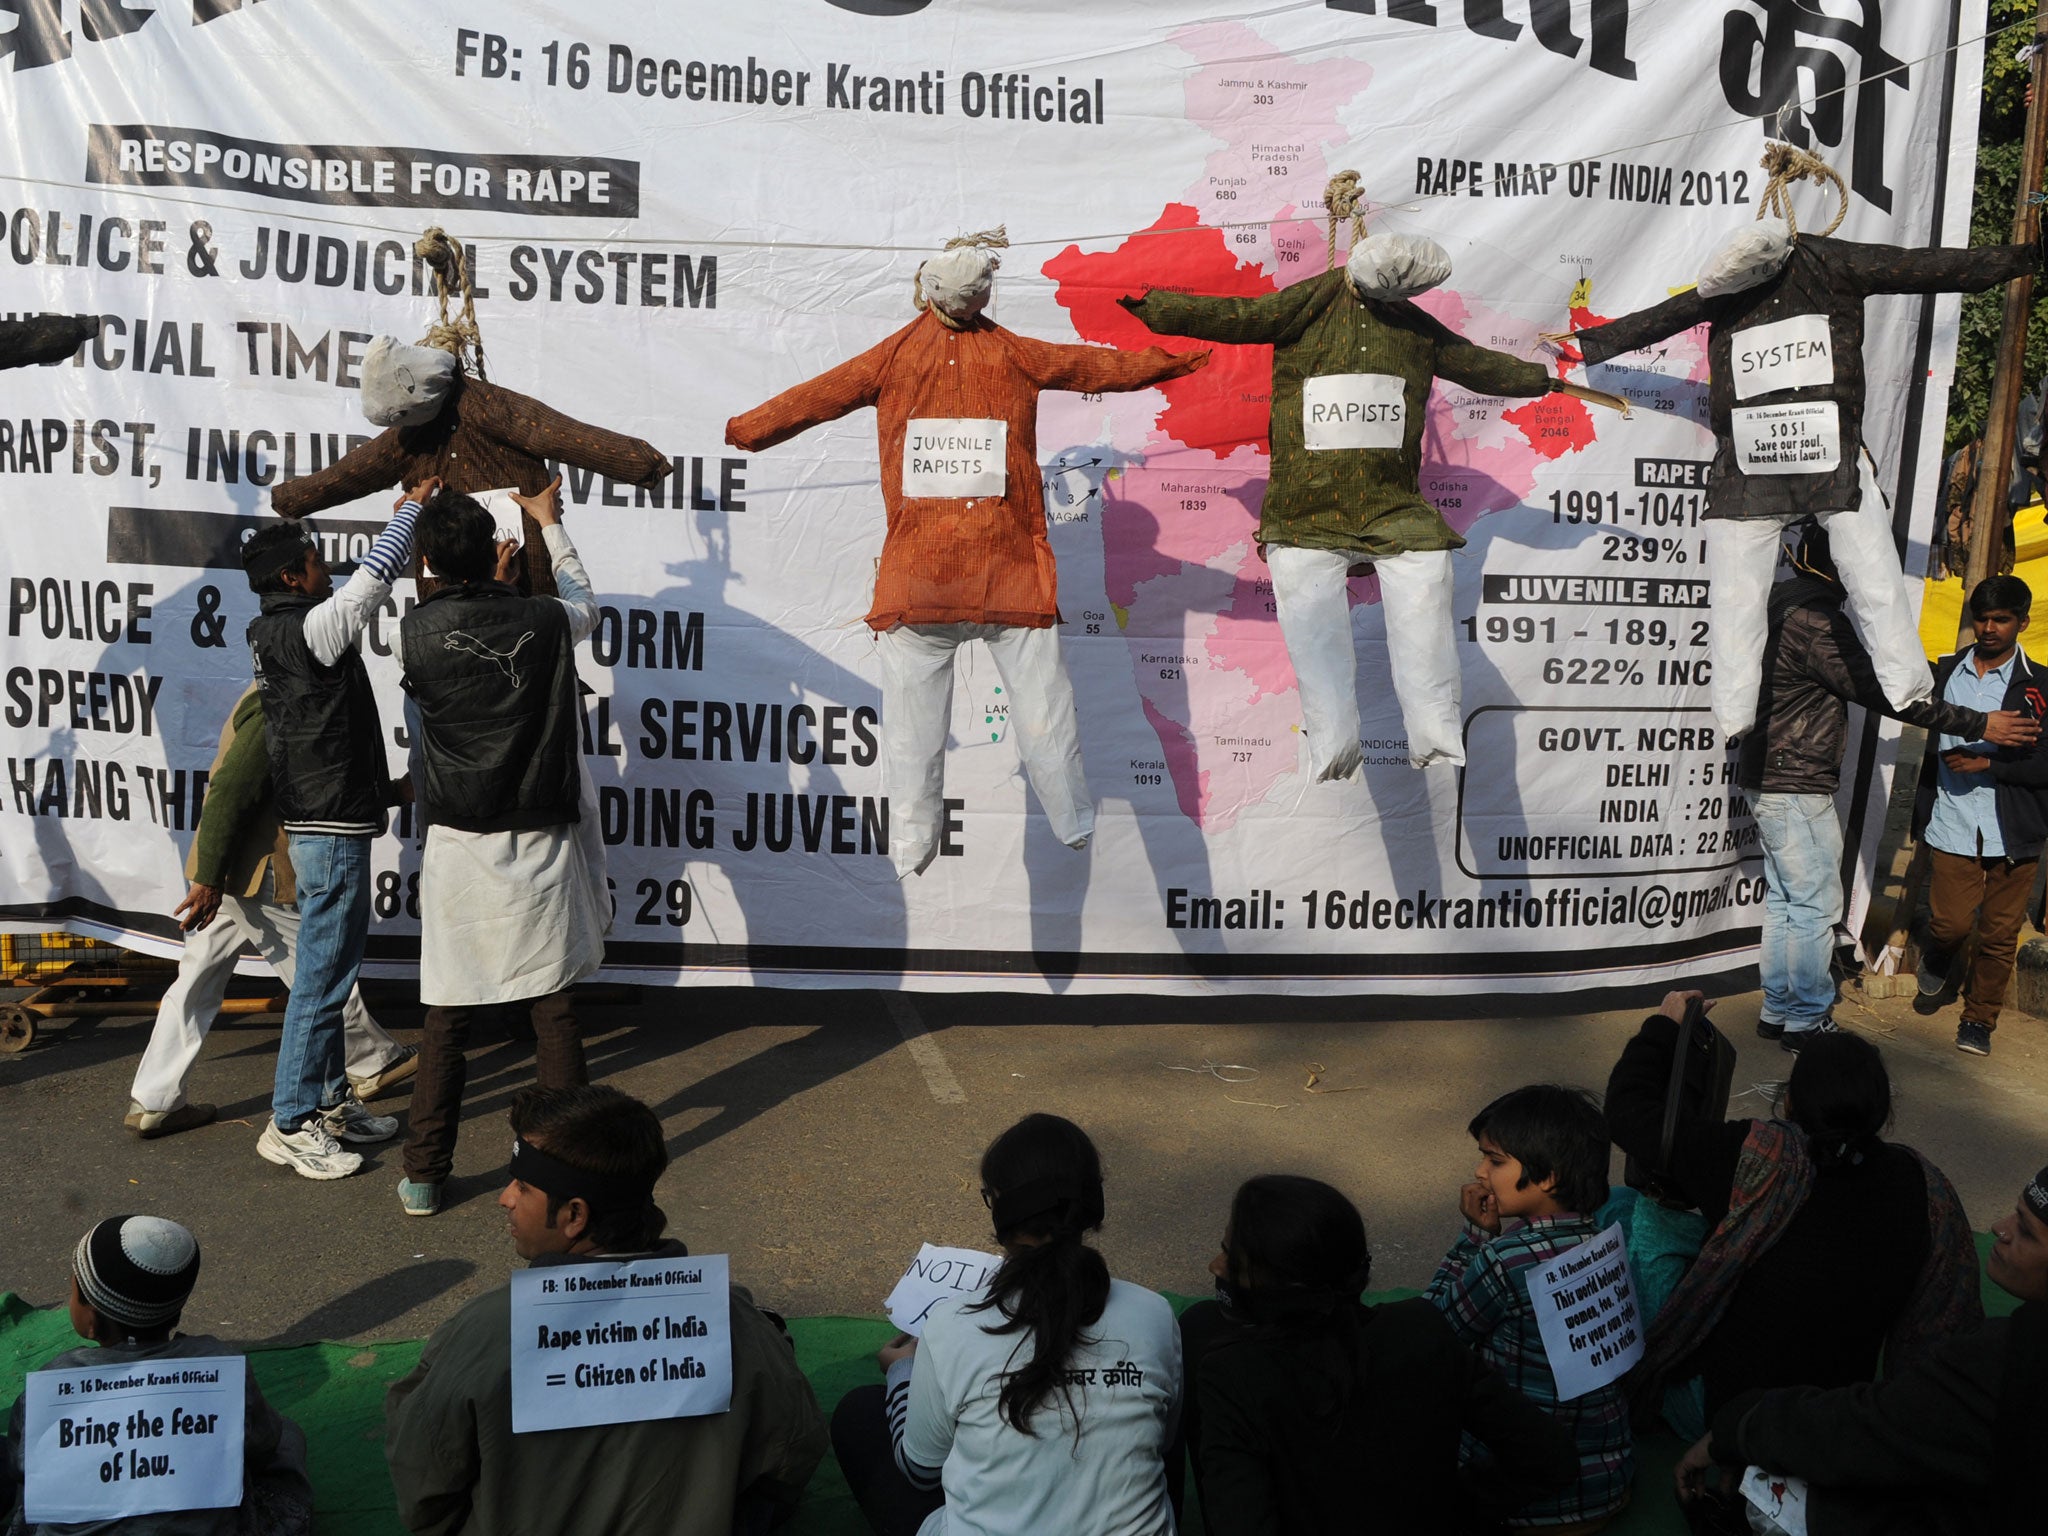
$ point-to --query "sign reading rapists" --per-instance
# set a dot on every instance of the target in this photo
(619, 1343)
(108, 1442)
(1585, 1301)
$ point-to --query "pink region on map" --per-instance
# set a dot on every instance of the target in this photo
(1179, 528)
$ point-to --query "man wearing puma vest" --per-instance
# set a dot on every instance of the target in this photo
(331, 784)
(513, 899)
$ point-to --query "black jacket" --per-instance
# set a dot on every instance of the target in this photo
(1292, 1439)
(327, 765)
(2021, 773)
(1825, 279)
(1814, 668)
(494, 675)
(1814, 1308)
(1949, 1446)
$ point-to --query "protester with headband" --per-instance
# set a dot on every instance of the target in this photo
(130, 1279)
(585, 1162)
(331, 783)
(1044, 1404)
(1948, 1444)
(1310, 1411)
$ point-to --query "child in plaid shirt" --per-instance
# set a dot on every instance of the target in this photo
(1542, 1175)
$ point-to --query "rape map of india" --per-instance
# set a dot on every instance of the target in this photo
(1186, 587)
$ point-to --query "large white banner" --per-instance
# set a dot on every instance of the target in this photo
(679, 210)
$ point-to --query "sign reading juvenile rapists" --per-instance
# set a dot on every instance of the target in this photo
(1585, 1301)
(619, 1343)
(147, 1437)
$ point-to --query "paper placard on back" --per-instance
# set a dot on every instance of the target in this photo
(933, 1275)
(505, 512)
(1585, 1301)
(142, 1437)
(620, 1343)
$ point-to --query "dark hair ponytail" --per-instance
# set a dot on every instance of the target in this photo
(1042, 1180)
(1301, 1244)
(1841, 1096)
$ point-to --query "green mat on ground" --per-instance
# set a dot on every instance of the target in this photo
(336, 1393)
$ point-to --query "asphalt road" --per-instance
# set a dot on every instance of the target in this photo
(819, 1136)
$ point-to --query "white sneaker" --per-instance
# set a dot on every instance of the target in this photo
(350, 1121)
(310, 1151)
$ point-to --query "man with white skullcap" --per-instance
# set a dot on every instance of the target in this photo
(966, 555)
(130, 1278)
(1353, 364)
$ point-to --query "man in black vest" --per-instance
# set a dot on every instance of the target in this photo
(331, 783)
(513, 899)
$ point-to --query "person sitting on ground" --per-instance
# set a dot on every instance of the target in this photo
(585, 1161)
(1044, 1404)
(130, 1279)
(1826, 1243)
(1312, 1413)
(240, 874)
(1944, 1445)
(1541, 1178)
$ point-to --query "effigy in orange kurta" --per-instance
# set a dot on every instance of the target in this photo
(966, 555)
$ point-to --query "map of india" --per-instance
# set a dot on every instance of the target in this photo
(1184, 576)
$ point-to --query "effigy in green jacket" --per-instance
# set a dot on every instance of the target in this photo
(1367, 499)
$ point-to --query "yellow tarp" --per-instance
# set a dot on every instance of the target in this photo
(1941, 602)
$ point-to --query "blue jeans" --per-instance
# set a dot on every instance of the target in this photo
(334, 923)
(1802, 842)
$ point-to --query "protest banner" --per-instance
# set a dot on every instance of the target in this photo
(605, 1343)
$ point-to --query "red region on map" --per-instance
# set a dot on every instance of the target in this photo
(1225, 405)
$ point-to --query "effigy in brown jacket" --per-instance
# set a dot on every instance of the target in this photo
(972, 548)
(485, 438)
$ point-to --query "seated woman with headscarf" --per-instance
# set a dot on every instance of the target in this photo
(1827, 1246)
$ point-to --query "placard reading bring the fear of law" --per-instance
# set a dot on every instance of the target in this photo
(674, 212)
(105, 1442)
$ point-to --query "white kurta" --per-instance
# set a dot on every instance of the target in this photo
(506, 916)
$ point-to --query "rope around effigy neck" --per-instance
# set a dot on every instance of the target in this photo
(450, 267)
(1789, 165)
(1342, 196)
(997, 239)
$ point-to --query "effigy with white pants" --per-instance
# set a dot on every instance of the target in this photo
(917, 711)
(1312, 596)
(966, 555)
(192, 1001)
(1354, 362)
(1742, 556)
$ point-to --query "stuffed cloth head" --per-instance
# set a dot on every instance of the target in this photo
(1746, 258)
(404, 386)
(1397, 266)
(137, 1270)
(957, 282)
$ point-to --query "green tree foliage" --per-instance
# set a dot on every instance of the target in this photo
(2000, 134)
